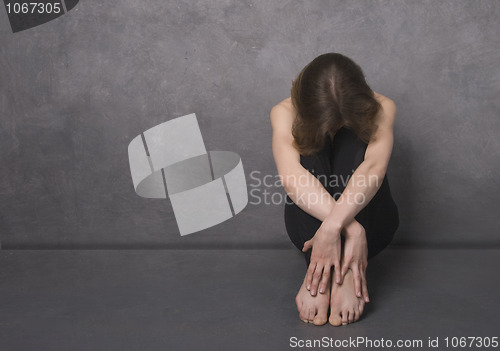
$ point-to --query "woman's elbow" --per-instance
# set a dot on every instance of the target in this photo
(286, 180)
(290, 179)
(376, 175)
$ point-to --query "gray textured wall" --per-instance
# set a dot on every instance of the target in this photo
(76, 90)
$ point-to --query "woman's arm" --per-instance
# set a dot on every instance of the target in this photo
(307, 192)
(362, 186)
(367, 178)
(302, 187)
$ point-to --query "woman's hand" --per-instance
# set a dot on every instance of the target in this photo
(356, 257)
(326, 249)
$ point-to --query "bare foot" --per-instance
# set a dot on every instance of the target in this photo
(345, 306)
(313, 309)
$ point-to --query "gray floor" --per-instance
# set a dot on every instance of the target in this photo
(231, 299)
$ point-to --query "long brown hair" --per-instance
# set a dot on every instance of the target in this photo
(329, 93)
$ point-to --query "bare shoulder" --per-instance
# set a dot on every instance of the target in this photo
(283, 113)
(388, 114)
(283, 107)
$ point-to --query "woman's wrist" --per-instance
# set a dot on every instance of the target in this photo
(336, 224)
(353, 230)
(332, 225)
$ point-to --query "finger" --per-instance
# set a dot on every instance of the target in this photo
(316, 278)
(309, 275)
(366, 297)
(325, 279)
(345, 266)
(357, 280)
(307, 245)
(337, 273)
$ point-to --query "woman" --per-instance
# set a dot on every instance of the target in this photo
(332, 141)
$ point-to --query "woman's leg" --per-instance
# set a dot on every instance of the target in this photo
(333, 166)
(301, 227)
(380, 216)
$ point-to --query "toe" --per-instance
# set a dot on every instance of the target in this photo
(356, 315)
(351, 316)
(303, 315)
(361, 308)
(321, 317)
(335, 319)
(312, 313)
(345, 317)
